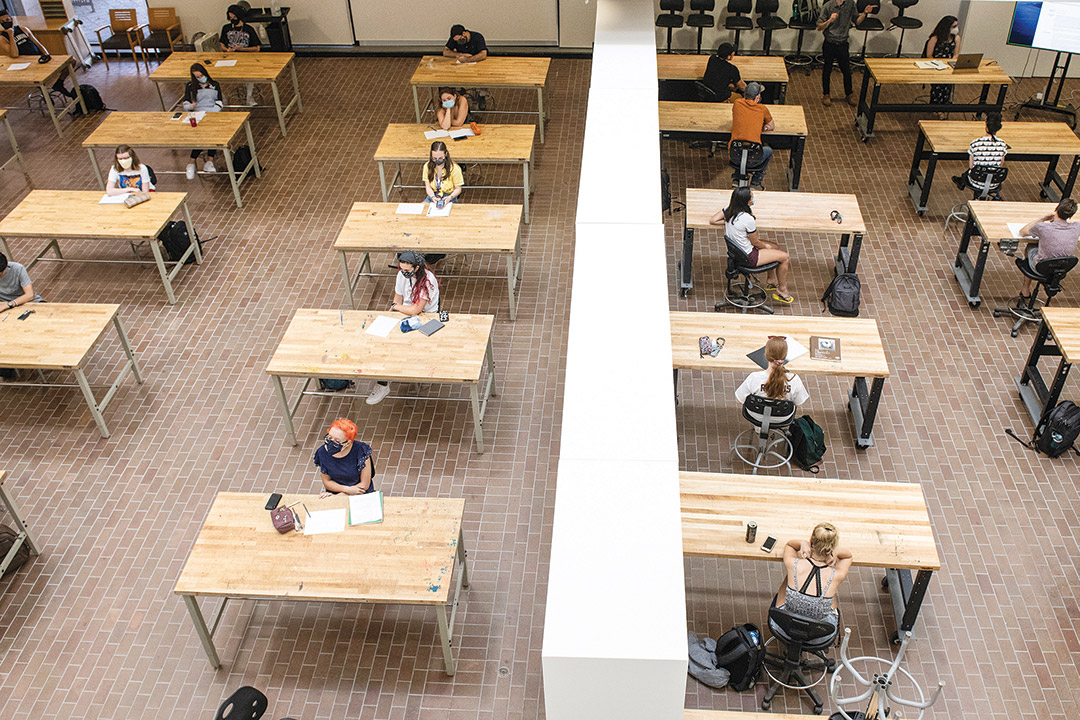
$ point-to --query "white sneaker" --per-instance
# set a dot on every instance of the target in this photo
(208, 166)
(191, 171)
(378, 394)
(251, 100)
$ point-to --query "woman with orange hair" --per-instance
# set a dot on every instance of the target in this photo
(345, 464)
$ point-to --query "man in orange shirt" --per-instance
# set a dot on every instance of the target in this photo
(749, 118)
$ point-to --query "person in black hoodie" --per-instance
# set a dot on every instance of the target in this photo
(237, 36)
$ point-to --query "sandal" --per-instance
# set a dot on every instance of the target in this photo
(787, 300)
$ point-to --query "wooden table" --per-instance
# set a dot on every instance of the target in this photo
(884, 525)
(902, 71)
(42, 76)
(328, 344)
(677, 74)
(861, 353)
(783, 212)
(712, 121)
(1028, 142)
(22, 531)
(377, 227)
(70, 214)
(16, 155)
(1058, 336)
(515, 73)
(216, 131)
(738, 715)
(989, 220)
(407, 559)
(59, 336)
(261, 67)
(496, 145)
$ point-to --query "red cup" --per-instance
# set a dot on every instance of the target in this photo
(193, 121)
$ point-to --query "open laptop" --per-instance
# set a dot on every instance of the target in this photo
(966, 61)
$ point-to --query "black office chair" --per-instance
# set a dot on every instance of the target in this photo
(745, 157)
(800, 636)
(700, 19)
(707, 94)
(904, 22)
(247, 703)
(1048, 275)
(985, 181)
(670, 19)
(766, 445)
(799, 59)
(768, 21)
(737, 20)
(868, 25)
(744, 294)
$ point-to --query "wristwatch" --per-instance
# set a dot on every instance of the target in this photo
(11, 304)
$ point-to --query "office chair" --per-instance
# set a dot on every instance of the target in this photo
(743, 155)
(768, 21)
(670, 20)
(1048, 274)
(736, 20)
(799, 59)
(800, 636)
(769, 418)
(868, 25)
(986, 180)
(707, 94)
(904, 22)
(247, 703)
(745, 294)
(699, 19)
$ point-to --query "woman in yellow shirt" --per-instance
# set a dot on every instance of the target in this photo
(442, 176)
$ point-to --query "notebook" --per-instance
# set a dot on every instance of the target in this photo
(431, 327)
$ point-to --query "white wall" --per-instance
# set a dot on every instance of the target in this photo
(421, 22)
(577, 23)
(311, 22)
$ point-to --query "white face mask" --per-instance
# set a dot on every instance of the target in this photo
(448, 104)
(125, 162)
(954, 31)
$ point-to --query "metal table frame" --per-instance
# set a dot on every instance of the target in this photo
(969, 275)
(45, 88)
(540, 113)
(1039, 399)
(907, 598)
(23, 534)
(526, 186)
(446, 625)
(796, 144)
(17, 156)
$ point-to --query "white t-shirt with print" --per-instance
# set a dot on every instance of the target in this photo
(753, 382)
(403, 286)
(738, 231)
(139, 179)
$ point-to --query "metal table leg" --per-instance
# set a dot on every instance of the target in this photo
(24, 531)
(416, 102)
(527, 187)
(967, 275)
(444, 640)
(864, 407)
(474, 397)
(285, 408)
(126, 344)
(347, 277)
(277, 106)
(97, 168)
(296, 90)
(89, 395)
(251, 146)
(382, 181)
(233, 179)
(15, 146)
(511, 281)
(155, 247)
(204, 633)
(795, 162)
(52, 110)
(157, 86)
(539, 111)
(196, 250)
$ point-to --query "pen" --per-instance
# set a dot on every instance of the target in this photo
(305, 509)
(342, 312)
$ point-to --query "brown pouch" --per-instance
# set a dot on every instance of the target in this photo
(283, 519)
(136, 199)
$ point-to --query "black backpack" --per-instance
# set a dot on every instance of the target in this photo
(807, 443)
(333, 385)
(8, 537)
(176, 241)
(1057, 434)
(741, 652)
(242, 157)
(842, 295)
(93, 100)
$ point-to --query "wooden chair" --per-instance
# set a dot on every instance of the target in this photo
(165, 33)
(122, 35)
(83, 3)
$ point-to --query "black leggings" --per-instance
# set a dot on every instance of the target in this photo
(209, 154)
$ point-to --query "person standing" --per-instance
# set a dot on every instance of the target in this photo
(237, 36)
(835, 21)
(943, 43)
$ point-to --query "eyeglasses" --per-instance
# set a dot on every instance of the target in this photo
(346, 441)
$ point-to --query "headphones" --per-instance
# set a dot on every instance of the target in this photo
(835, 215)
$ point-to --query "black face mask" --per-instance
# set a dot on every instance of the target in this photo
(408, 273)
(7, 24)
(234, 21)
(333, 446)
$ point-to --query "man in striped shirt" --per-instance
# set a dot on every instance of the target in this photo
(988, 150)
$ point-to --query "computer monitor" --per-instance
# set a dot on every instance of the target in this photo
(1046, 26)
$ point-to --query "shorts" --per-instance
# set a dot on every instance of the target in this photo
(1032, 252)
(753, 257)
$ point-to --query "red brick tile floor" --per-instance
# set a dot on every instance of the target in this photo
(91, 629)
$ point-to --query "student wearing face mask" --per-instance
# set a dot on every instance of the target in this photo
(20, 42)
(443, 180)
(202, 94)
(237, 36)
(453, 110)
(345, 464)
(127, 175)
(944, 44)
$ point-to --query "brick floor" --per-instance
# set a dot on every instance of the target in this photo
(92, 630)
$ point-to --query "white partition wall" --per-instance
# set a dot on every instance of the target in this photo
(615, 624)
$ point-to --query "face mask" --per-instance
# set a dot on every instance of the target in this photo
(408, 273)
(333, 446)
(440, 161)
(126, 163)
(448, 104)
(202, 80)
(234, 21)
(8, 24)
(954, 31)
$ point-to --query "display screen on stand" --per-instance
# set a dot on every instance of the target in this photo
(1046, 26)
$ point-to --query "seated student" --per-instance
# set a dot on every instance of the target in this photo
(20, 42)
(453, 110)
(415, 291)
(775, 383)
(988, 150)
(1055, 237)
(467, 46)
(344, 463)
(202, 94)
(809, 588)
(237, 36)
(127, 175)
(15, 290)
(740, 227)
(721, 75)
(749, 118)
(443, 180)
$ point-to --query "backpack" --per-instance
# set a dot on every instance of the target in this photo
(8, 537)
(741, 652)
(241, 158)
(1057, 434)
(842, 295)
(331, 385)
(805, 11)
(807, 443)
(176, 241)
(92, 99)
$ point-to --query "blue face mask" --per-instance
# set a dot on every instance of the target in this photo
(203, 80)
(333, 446)
(448, 104)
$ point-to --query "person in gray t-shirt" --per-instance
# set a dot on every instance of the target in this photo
(1057, 237)
(15, 287)
(835, 21)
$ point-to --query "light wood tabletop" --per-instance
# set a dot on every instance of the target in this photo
(861, 351)
(495, 72)
(159, 130)
(377, 227)
(36, 74)
(1064, 323)
(757, 68)
(902, 71)
(405, 142)
(994, 216)
(251, 67)
(801, 212)
(77, 214)
(883, 524)
(1024, 138)
(679, 116)
(334, 344)
(738, 715)
(57, 336)
(407, 558)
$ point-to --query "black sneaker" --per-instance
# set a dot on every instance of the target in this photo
(7, 373)
(958, 181)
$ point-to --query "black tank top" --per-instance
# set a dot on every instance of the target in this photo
(23, 42)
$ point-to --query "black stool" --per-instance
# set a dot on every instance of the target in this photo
(904, 22)
(800, 59)
(736, 20)
(699, 19)
(1048, 275)
(742, 154)
(671, 19)
(868, 25)
(800, 636)
(768, 22)
(745, 294)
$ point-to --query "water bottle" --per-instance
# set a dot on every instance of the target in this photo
(275, 8)
(410, 323)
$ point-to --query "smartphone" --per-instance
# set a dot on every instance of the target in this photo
(767, 546)
(177, 116)
(26, 314)
(274, 501)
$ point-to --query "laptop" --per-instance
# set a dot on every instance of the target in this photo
(966, 61)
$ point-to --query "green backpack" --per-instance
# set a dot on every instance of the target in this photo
(807, 443)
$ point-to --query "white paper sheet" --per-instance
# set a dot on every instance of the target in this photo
(795, 349)
(325, 521)
(107, 199)
(224, 63)
(410, 209)
(463, 132)
(1015, 229)
(18, 66)
(434, 211)
(381, 326)
(366, 508)
(930, 65)
(197, 115)
(436, 134)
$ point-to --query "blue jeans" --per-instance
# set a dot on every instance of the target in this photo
(757, 166)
